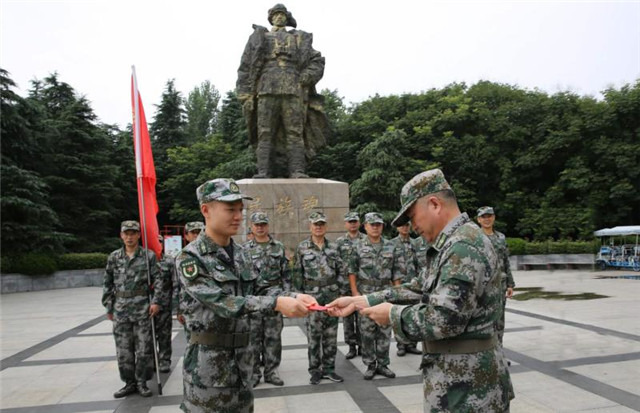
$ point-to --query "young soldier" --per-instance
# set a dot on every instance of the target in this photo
(125, 295)
(163, 322)
(271, 264)
(456, 301)
(345, 246)
(375, 264)
(218, 296)
(404, 242)
(486, 218)
(191, 231)
(317, 271)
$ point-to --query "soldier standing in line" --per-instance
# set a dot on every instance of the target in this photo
(375, 264)
(271, 264)
(125, 295)
(456, 302)
(420, 246)
(163, 321)
(218, 294)
(345, 246)
(192, 230)
(486, 218)
(405, 243)
(317, 270)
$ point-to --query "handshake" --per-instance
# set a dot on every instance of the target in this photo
(340, 307)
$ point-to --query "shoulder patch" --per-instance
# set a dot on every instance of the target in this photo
(189, 269)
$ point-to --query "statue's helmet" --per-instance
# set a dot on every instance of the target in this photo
(281, 8)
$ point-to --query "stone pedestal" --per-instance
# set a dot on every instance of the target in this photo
(289, 202)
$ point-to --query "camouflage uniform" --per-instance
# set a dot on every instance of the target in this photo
(218, 293)
(420, 246)
(411, 263)
(163, 321)
(458, 302)
(319, 272)
(125, 294)
(375, 270)
(345, 245)
(272, 266)
(499, 242)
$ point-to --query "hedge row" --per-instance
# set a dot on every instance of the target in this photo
(44, 264)
(519, 246)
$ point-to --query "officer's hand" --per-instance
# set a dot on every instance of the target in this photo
(154, 309)
(181, 319)
(291, 307)
(378, 313)
(509, 292)
(306, 299)
(344, 306)
(110, 316)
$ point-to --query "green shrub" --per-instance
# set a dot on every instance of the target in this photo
(516, 246)
(82, 261)
(30, 264)
(558, 247)
(536, 248)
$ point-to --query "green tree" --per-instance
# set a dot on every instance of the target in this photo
(202, 111)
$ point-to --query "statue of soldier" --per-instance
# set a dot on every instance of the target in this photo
(276, 86)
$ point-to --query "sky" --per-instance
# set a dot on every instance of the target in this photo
(371, 47)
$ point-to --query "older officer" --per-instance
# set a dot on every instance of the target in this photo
(271, 264)
(345, 246)
(125, 295)
(219, 293)
(486, 218)
(375, 264)
(318, 271)
(457, 301)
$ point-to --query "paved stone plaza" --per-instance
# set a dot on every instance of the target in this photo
(58, 355)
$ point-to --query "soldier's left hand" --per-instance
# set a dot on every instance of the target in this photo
(509, 292)
(154, 309)
(306, 299)
(291, 307)
(378, 313)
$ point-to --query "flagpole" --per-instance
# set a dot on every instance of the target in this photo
(139, 174)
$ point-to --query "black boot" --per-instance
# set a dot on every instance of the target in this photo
(352, 352)
(143, 390)
(130, 388)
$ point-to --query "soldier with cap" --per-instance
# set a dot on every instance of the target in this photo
(404, 242)
(376, 263)
(486, 218)
(456, 300)
(272, 266)
(317, 270)
(345, 246)
(163, 320)
(276, 85)
(219, 294)
(130, 302)
(191, 231)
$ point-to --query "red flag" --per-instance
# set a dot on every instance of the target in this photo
(145, 173)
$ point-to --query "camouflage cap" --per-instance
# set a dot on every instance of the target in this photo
(281, 8)
(485, 210)
(259, 218)
(351, 216)
(317, 217)
(373, 218)
(425, 183)
(193, 226)
(220, 189)
(130, 226)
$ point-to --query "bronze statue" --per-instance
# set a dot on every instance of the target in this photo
(276, 85)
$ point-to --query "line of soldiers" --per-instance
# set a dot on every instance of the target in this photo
(231, 299)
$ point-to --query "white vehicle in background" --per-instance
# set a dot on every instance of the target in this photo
(623, 255)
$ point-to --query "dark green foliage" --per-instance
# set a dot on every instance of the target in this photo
(29, 264)
(516, 246)
(81, 261)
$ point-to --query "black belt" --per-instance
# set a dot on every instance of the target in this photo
(374, 283)
(129, 294)
(225, 340)
(319, 283)
(459, 346)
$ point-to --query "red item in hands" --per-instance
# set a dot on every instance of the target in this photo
(316, 307)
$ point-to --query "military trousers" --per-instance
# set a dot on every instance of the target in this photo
(134, 350)
(280, 112)
(322, 335)
(266, 340)
(163, 326)
(500, 322)
(351, 329)
(375, 342)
